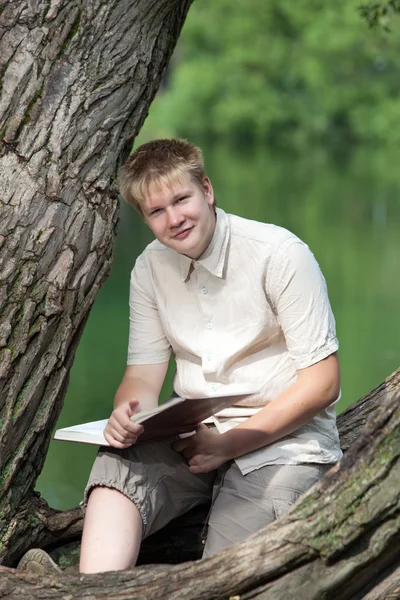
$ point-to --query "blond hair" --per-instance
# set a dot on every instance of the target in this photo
(159, 162)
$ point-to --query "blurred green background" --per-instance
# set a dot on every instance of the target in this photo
(297, 109)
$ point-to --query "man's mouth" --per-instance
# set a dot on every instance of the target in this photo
(181, 235)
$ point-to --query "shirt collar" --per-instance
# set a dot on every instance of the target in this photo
(214, 257)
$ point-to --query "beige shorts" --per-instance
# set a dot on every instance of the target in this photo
(157, 479)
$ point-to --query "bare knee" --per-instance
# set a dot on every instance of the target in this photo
(112, 532)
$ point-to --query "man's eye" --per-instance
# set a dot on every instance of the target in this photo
(155, 212)
(181, 198)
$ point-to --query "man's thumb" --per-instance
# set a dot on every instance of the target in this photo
(133, 406)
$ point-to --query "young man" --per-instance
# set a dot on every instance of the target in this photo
(243, 306)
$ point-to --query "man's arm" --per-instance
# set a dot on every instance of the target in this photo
(139, 390)
(297, 290)
(317, 386)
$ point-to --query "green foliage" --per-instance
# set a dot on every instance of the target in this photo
(378, 14)
(283, 72)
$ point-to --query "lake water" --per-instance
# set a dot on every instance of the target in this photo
(345, 208)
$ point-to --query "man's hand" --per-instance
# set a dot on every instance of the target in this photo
(205, 450)
(120, 431)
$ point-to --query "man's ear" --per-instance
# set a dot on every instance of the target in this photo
(208, 190)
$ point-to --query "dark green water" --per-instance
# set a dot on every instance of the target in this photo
(347, 210)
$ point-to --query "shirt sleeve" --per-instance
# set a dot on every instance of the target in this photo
(298, 293)
(148, 343)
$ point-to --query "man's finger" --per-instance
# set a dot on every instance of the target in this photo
(133, 406)
(123, 438)
(198, 469)
(115, 443)
(179, 445)
(201, 427)
(187, 453)
(126, 425)
(120, 433)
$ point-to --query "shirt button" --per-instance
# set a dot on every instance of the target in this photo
(213, 387)
(209, 325)
(208, 356)
(204, 290)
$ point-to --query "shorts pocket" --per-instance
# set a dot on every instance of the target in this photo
(282, 505)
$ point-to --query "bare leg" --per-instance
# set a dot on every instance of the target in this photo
(112, 532)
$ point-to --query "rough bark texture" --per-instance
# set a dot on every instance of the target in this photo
(351, 421)
(77, 79)
(339, 541)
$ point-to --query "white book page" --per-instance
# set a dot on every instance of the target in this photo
(237, 411)
(89, 433)
(93, 427)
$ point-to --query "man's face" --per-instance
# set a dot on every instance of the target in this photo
(181, 216)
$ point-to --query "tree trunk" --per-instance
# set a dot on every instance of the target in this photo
(340, 540)
(77, 81)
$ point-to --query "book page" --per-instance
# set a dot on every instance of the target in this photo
(94, 427)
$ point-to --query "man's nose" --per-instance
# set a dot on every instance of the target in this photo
(175, 218)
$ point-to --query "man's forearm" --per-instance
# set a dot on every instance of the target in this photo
(315, 389)
(138, 389)
(143, 383)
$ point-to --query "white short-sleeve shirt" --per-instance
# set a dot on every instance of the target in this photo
(250, 312)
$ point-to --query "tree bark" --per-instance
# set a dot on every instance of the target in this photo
(340, 540)
(77, 79)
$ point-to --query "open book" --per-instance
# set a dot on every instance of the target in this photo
(175, 416)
